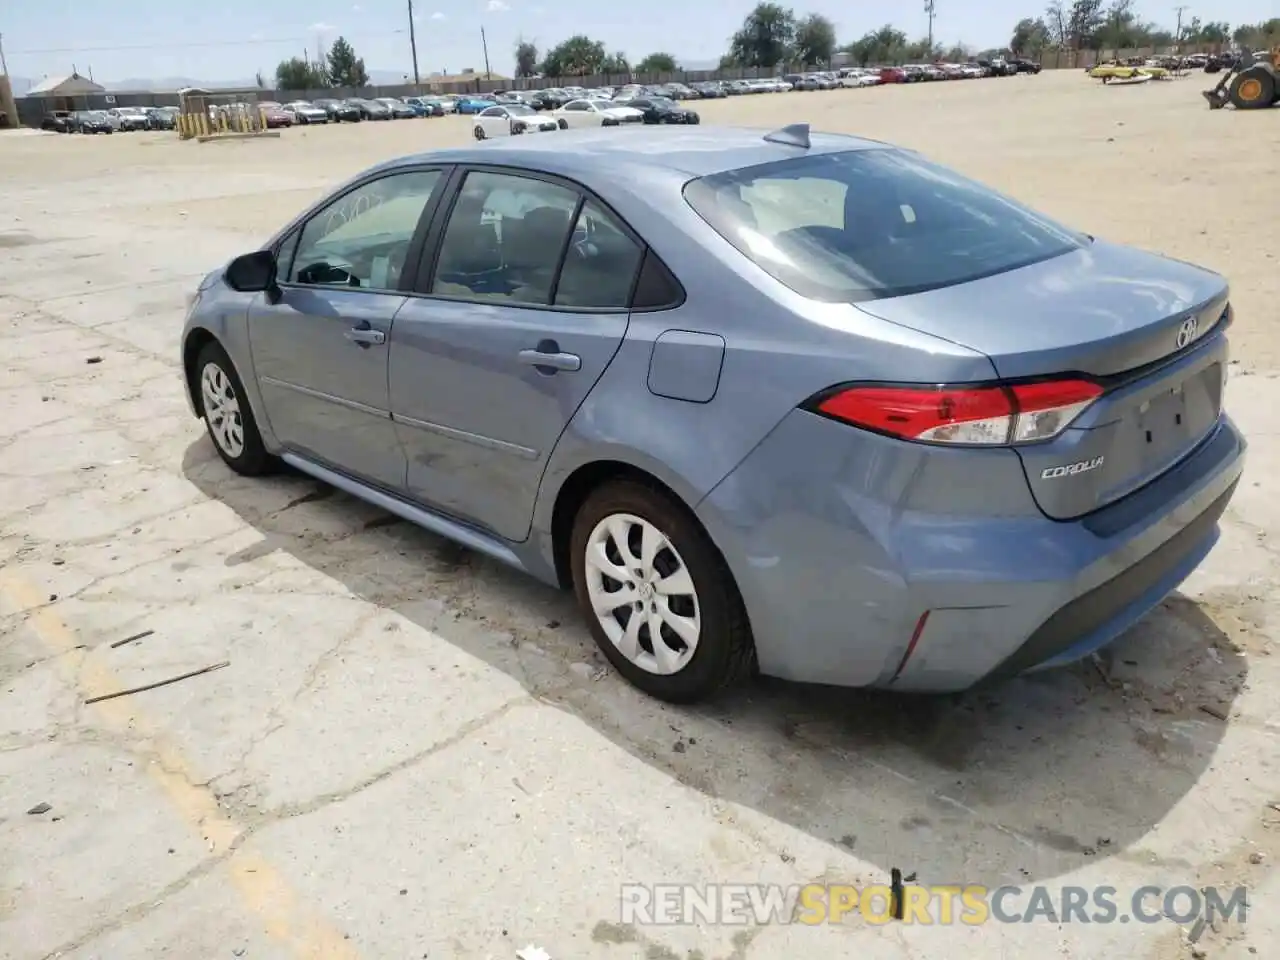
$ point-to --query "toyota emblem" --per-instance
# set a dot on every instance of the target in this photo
(1187, 332)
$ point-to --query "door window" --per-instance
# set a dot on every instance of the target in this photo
(361, 239)
(504, 239)
(600, 265)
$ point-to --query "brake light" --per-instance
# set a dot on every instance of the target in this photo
(990, 415)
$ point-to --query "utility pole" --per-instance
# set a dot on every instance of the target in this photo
(1177, 35)
(485, 43)
(413, 46)
(928, 8)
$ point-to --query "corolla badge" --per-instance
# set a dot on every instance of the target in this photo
(1071, 469)
(1187, 332)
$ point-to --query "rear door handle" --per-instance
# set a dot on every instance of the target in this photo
(548, 359)
(366, 336)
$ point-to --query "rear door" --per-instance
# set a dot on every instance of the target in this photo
(520, 305)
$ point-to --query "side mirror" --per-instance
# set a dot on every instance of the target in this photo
(252, 272)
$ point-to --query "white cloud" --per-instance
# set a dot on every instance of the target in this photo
(321, 27)
(255, 37)
(437, 16)
(357, 8)
(497, 6)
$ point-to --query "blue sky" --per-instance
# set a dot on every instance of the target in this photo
(232, 39)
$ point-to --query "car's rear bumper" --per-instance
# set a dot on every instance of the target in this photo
(848, 582)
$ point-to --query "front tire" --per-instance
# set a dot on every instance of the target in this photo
(660, 601)
(479, 132)
(227, 414)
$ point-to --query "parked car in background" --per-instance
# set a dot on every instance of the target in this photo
(893, 75)
(709, 90)
(596, 113)
(425, 106)
(59, 121)
(1022, 65)
(857, 77)
(340, 111)
(128, 119)
(161, 118)
(399, 109)
(274, 115)
(370, 109)
(508, 119)
(92, 121)
(549, 99)
(471, 105)
(660, 110)
(305, 113)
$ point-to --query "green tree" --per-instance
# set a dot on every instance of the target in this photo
(576, 57)
(815, 39)
(615, 62)
(1084, 21)
(1258, 36)
(1030, 36)
(766, 38)
(345, 68)
(1055, 20)
(299, 74)
(526, 58)
(658, 63)
(888, 45)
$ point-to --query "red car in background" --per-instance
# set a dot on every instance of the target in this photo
(274, 115)
(893, 75)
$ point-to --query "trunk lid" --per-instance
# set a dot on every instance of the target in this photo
(1149, 328)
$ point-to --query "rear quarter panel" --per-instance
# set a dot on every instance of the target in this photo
(780, 349)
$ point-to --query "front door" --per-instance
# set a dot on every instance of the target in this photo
(320, 352)
(526, 306)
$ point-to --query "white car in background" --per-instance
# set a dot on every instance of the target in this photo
(860, 78)
(595, 113)
(304, 112)
(510, 118)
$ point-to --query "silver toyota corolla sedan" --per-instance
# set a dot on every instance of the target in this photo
(806, 404)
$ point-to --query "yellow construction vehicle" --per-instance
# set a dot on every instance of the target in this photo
(1249, 87)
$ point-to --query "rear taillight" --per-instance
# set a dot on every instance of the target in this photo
(989, 415)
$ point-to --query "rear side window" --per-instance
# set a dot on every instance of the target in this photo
(869, 224)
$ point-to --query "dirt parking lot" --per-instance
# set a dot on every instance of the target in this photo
(413, 752)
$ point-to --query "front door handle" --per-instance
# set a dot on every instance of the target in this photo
(366, 336)
(547, 358)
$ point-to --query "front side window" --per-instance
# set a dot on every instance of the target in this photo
(361, 239)
(870, 224)
(504, 239)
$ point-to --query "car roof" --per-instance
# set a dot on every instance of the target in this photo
(689, 152)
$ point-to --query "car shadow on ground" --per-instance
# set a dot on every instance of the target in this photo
(1017, 784)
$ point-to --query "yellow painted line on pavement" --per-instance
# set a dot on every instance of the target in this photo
(260, 886)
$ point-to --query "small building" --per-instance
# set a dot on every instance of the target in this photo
(64, 93)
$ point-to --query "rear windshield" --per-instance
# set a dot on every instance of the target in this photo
(870, 224)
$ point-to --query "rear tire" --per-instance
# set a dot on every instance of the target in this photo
(1253, 89)
(479, 132)
(674, 582)
(227, 414)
